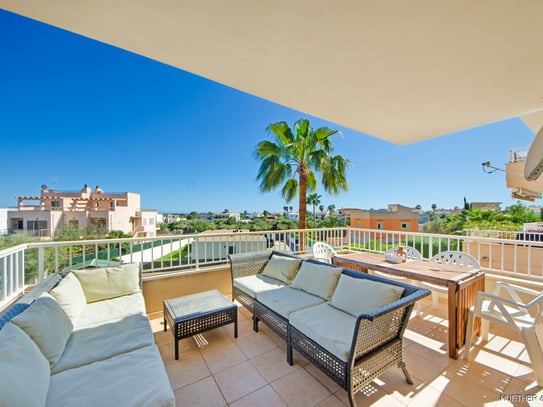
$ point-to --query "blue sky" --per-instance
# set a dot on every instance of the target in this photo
(74, 111)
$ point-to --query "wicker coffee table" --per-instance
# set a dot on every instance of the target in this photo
(193, 314)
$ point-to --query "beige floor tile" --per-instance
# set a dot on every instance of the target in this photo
(482, 375)
(245, 327)
(223, 357)
(265, 396)
(331, 401)
(186, 349)
(322, 378)
(255, 344)
(273, 364)
(300, 389)
(495, 361)
(428, 396)
(204, 393)
(368, 396)
(186, 371)
(239, 381)
(218, 336)
(465, 391)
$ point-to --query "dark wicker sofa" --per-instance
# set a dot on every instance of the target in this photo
(376, 342)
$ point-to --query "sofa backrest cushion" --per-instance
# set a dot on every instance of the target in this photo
(70, 296)
(282, 268)
(46, 323)
(317, 279)
(109, 282)
(12, 312)
(361, 296)
(24, 370)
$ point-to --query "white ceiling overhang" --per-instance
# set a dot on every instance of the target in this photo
(398, 70)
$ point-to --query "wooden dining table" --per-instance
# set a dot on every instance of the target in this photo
(462, 286)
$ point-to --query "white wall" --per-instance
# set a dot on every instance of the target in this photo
(4, 226)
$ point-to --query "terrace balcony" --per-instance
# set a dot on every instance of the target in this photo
(217, 369)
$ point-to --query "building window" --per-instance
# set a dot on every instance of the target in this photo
(405, 225)
(55, 204)
(379, 225)
(74, 223)
(151, 221)
(37, 227)
(144, 221)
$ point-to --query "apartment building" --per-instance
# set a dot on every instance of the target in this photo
(395, 217)
(52, 210)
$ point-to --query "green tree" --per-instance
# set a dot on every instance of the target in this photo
(292, 160)
(314, 200)
(331, 209)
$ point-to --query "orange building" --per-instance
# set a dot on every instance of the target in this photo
(396, 217)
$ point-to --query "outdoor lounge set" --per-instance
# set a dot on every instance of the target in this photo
(82, 339)
(349, 324)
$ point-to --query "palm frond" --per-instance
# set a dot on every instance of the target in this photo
(282, 131)
(302, 127)
(267, 148)
(290, 189)
(311, 181)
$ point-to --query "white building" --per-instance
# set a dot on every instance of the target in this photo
(52, 210)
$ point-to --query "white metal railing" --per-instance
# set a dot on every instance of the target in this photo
(29, 263)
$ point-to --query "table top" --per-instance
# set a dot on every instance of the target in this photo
(421, 270)
(195, 305)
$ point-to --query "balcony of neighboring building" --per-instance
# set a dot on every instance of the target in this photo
(514, 177)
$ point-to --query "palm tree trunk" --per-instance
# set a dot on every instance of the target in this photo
(302, 207)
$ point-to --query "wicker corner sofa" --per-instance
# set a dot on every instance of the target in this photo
(324, 313)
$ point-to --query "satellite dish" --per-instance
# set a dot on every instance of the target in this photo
(44, 187)
(533, 166)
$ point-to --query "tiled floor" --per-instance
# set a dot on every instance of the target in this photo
(252, 370)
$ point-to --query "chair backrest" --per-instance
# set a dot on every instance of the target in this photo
(323, 251)
(458, 258)
(410, 252)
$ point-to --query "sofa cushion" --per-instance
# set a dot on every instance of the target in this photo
(12, 312)
(136, 378)
(101, 342)
(252, 285)
(287, 300)
(24, 371)
(317, 279)
(48, 326)
(331, 328)
(282, 268)
(109, 282)
(70, 296)
(115, 309)
(361, 296)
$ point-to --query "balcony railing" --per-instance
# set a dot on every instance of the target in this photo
(27, 264)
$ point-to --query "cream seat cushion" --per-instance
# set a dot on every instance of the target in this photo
(361, 296)
(317, 279)
(331, 328)
(287, 300)
(24, 371)
(101, 342)
(111, 310)
(47, 325)
(252, 285)
(135, 378)
(282, 268)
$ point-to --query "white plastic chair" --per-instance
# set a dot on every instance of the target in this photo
(448, 257)
(323, 252)
(410, 254)
(510, 311)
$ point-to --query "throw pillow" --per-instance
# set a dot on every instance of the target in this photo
(282, 268)
(317, 279)
(48, 326)
(361, 296)
(70, 296)
(109, 282)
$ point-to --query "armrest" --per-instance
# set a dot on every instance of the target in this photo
(513, 291)
(248, 264)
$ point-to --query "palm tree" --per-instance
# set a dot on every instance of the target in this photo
(331, 209)
(321, 209)
(314, 199)
(292, 160)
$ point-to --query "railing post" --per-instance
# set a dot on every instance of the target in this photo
(41, 263)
